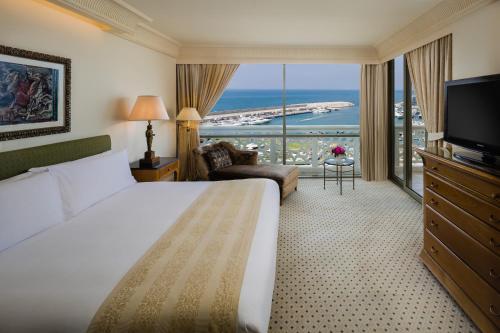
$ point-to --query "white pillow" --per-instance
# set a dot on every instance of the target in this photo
(27, 207)
(18, 177)
(46, 168)
(85, 183)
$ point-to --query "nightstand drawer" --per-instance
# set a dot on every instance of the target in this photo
(167, 171)
(160, 172)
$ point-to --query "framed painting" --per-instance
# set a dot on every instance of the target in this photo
(35, 94)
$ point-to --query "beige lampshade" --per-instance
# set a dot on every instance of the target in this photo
(189, 114)
(148, 108)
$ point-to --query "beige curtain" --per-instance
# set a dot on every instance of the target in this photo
(430, 67)
(374, 121)
(198, 86)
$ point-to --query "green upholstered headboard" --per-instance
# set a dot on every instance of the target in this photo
(15, 162)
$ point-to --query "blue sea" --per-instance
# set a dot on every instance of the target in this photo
(233, 99)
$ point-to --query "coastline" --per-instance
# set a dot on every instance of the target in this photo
(262, 115)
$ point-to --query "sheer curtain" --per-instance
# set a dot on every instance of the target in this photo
(199, 86)
(430, 67)
(374, 121)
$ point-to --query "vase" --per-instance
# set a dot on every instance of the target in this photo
(339, 158)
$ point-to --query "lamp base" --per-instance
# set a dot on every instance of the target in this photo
(149, 160)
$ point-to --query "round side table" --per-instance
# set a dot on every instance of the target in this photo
(339, 164)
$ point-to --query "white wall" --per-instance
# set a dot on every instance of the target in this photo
(107, 72)
(476, 43)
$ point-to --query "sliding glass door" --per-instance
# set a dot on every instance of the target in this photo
(407, 130)
(397, 117)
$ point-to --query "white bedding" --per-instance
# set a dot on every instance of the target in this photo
(56, 280)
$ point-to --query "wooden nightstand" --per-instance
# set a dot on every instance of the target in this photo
(167, 166)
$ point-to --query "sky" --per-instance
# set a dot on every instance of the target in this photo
(398, 73)
(298, 76)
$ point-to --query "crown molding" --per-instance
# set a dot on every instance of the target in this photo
(194, 54)
(427, 27)
(123, 20)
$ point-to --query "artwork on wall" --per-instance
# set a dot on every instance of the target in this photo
(35, 92)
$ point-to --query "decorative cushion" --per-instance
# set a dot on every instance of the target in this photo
(219, 158)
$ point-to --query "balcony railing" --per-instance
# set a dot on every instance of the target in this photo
(418, 141)
(306, 146)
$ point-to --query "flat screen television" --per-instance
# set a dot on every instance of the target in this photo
(472, 117)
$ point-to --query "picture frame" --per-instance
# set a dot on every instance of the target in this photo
(35, 94)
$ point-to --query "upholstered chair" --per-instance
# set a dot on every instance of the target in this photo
(243, 165)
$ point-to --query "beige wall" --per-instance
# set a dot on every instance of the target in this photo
(476, 46)
(476, 43)
(106, 71)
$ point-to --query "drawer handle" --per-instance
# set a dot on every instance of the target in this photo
(432, 185)
(493, 311)
(435, 168)
(434, 202)
(495, 196)
(493, 275)
(433, 224)
(493, 243)
(433, 250)
(493, 219)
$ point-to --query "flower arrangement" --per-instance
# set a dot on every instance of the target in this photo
(338, 151)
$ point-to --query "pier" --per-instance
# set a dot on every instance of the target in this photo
(264, 115)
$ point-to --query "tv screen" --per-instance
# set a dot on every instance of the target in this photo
(472, 113)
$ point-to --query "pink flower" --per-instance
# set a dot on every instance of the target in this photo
(338, 150)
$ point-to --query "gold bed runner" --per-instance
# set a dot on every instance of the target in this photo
(190, 279)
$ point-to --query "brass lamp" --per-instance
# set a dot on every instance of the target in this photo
(189, 115)
(149, 108)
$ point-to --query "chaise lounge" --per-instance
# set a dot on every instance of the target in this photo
(222, 161)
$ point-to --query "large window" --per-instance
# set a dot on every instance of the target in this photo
(291, 114)
(408, 131)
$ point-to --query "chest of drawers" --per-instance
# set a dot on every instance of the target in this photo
(462, 235)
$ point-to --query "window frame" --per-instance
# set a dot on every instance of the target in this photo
(284, 134)
(404, 183)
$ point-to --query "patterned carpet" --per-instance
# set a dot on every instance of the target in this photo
(350, 264)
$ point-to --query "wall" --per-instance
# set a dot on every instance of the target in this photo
(476, 47)
(476, 43)
(108, 73)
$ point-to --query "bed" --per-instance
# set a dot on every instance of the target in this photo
(58, 279)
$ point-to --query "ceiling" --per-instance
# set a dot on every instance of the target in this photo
(281, 22)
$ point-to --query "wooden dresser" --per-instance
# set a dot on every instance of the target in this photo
(462, 235)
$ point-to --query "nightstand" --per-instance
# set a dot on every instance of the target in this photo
(167, 166)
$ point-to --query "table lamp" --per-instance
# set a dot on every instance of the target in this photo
(149, 108)
(189, 115)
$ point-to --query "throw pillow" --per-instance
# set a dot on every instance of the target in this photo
(219, 158)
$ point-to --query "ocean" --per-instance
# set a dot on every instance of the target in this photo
(233, 99)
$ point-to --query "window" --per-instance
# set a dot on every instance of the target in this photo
(305, 109)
